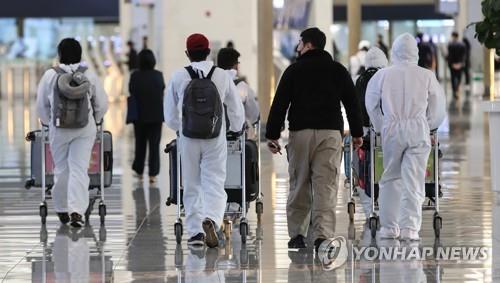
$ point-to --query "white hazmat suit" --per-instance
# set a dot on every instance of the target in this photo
(203, 160)
(71, 148)
(248, 97)
(404, 102)
(375, 58)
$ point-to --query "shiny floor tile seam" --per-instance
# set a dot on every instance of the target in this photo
(137, 231)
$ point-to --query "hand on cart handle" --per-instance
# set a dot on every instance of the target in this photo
(357, 142)
(232, 136)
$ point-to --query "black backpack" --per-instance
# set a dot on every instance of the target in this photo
(202, 111)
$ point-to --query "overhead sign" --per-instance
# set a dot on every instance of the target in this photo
(448, 7)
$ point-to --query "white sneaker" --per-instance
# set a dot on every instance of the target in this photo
(409, 235)
(386, 233)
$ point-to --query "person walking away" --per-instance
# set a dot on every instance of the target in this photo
(375, 60)
(357, 61)
(70, 85)
(311, 90)
(147, 86)
(456, 61)
(425, 53)
(467, 61)
(405, 102)
(227, 59)
(131, 56)
(381, 45)
(202, 142)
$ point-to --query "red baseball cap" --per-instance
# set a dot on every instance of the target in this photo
(196, 41)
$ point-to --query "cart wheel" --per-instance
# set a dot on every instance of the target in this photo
(102, 212)
(43, 212)
(438, 225)
(228, 227)
(259, 207)
(351, 209)
(373, 225)
(243, 232)
(178, 232)
(29, 183)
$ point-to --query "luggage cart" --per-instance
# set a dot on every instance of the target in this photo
(47, 188)
(235, 148)
(433, 188)
(433, 204)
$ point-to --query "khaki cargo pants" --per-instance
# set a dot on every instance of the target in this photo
(314, 158)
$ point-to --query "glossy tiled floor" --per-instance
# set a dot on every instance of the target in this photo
(138, 243)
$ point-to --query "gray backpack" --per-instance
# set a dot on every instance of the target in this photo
(202, 111)
(71, 99)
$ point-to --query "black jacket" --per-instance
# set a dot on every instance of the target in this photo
(313, 88)
(148, 86)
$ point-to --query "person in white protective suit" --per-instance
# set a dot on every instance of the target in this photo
(357, 61)
(71, 148)
(405, 102)
(374, 61)
(203, 160)
(227, 59)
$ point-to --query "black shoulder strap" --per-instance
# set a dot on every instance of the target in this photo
(209, 76)
(192, 73)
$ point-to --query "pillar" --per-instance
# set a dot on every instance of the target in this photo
(354, 24)
(265, 69)
(125, 20)
(489, 74)
(322, 17)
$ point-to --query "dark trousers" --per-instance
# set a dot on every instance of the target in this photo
(456, 78)
(147, 134)
(467, 74)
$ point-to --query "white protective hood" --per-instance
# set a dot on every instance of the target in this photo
(375, 58)
(404, 50)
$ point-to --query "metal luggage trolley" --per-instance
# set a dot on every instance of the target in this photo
(234, 147)
(46, 190)
(433, 188)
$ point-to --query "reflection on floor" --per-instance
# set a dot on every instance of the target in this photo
(138, 242)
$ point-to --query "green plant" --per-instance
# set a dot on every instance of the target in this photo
(488, 31)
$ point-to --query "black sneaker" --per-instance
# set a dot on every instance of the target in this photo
(76, 220)
(210, 233)
(297, 242)
(317, 243)
(63, 217)
(197, 240)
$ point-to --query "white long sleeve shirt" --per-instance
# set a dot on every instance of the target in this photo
(45, 94)
(227, 91)
(248, 97)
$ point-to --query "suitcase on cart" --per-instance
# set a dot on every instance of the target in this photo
(42, 169)
(233, 176)
(35, 137)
